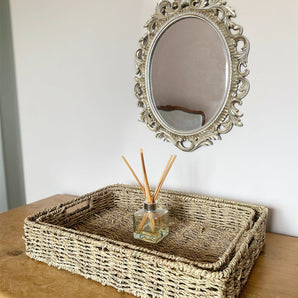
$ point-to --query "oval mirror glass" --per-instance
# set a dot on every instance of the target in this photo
(189, 74)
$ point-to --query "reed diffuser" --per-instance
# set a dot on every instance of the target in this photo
(151, 223)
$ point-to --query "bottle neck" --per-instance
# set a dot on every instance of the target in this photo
(150, 207)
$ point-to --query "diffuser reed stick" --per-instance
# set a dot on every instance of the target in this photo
(142, 223)
(132, 171)
(147, 189)
(163, 177)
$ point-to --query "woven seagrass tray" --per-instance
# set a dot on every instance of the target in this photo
(209, 252)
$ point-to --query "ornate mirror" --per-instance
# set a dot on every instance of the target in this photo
(191, 72)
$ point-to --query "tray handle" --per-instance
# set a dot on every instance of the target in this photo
(86, 204)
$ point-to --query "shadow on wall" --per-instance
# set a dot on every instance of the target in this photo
(269, 219)
(9, 115)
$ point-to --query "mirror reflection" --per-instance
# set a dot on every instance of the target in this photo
(189, 73)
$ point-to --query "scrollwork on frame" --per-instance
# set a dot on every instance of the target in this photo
(221, 15)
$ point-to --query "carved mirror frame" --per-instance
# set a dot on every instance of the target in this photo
(219, 15)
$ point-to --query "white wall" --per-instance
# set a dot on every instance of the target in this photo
(75, 78)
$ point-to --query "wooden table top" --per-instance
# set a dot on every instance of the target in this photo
(275, 273)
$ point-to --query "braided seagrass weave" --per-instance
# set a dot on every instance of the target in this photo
(209, 252)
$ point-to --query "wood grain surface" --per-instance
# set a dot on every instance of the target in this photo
(275, 273)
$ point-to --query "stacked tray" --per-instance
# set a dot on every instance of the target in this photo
(209, 252)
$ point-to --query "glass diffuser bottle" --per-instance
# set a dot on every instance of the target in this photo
(151, 223)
